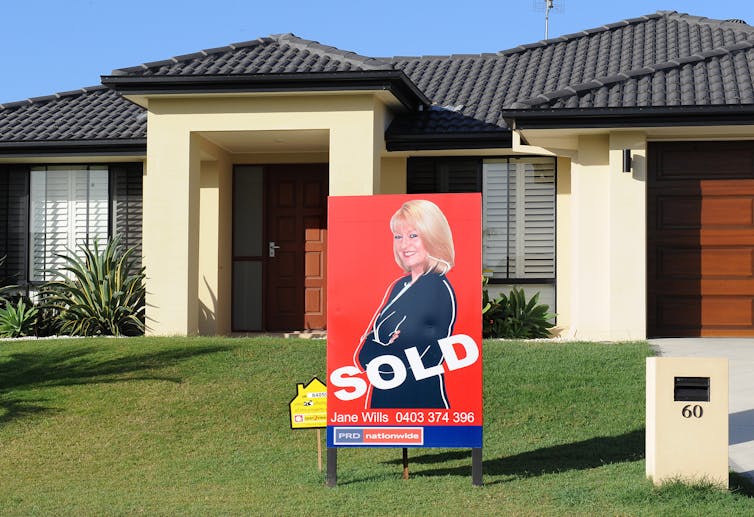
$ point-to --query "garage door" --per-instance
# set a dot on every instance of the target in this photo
(700, 230)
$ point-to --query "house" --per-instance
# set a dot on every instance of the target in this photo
(616, 167)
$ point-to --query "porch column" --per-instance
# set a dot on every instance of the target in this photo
(356, 141)
(171, 230)
(628, 238)
(608, 250)
(590, 205)
(215, 240)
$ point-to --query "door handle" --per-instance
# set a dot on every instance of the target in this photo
(271, 248)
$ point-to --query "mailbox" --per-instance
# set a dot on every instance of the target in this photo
(691, 389)
(687, 420)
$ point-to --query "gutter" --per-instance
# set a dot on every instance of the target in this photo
(571, 118)
(440, 141)
(107, 147)
(394, 81)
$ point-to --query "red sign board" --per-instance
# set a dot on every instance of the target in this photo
(404, 354)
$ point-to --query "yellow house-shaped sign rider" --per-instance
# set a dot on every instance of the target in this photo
(309, 407)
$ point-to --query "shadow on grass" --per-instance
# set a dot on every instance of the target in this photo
(16, 409)
(582, 455)
(67, 366)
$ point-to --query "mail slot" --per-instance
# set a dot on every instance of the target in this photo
(691, 389)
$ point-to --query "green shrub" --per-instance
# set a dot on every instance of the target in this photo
(48, 321)
(17, 319)
(104, 295)
(513, 317)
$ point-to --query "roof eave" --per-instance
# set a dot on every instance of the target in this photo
(572, 118)
(102, 147)
(394, 81)
(441, 141)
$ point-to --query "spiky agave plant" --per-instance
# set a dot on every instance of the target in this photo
(102, 295)
(17, 319)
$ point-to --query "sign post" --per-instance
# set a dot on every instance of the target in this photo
(404, 355)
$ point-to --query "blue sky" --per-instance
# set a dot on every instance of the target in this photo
(51, 46)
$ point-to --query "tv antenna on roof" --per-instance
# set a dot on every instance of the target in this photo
(547, 6)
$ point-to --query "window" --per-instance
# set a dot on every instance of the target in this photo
(69, 208)
(519, 218)
(126, 205)
(518, 195)
(46, 210)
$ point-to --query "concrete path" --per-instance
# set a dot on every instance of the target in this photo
(740, 354)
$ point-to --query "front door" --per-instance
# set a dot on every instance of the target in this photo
(296, 229)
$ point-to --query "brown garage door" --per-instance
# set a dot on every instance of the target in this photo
(700, 230)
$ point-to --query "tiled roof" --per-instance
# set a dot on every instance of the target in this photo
(670, 59)
(94, 113)
(462, 89)
(276, 54)
(664, 59)
(717, 77)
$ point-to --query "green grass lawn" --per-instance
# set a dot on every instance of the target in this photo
(200, 426)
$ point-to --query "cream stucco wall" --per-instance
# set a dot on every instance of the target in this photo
(590, 240)
(187, 189)
(563, 241)
(601, 235)
(393, 176)
(628, 237)
(170, 240)
(215, 240)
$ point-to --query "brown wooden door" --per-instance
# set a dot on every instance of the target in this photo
(296, 277)
(700, 230)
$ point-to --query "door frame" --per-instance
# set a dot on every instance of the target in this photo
(264, 259)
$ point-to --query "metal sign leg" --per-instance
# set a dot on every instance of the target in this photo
(332, 466)
(476, 466)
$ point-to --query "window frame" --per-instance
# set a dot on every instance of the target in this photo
(438, 161)
(74, 184)
(116, 172)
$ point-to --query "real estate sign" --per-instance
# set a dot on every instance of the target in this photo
(308, 409)
(404, 355)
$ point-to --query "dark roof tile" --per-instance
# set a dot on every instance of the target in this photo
(280, 53)
(94, 113)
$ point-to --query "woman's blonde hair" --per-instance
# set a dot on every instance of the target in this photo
(434, 230)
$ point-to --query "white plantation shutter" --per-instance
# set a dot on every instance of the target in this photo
(519, 217)
(90, 201)
(49, 220)
(539, 218)
(68, 208)
(37, 210)
(498, 210)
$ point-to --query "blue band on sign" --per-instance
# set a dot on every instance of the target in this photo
(392, 436)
